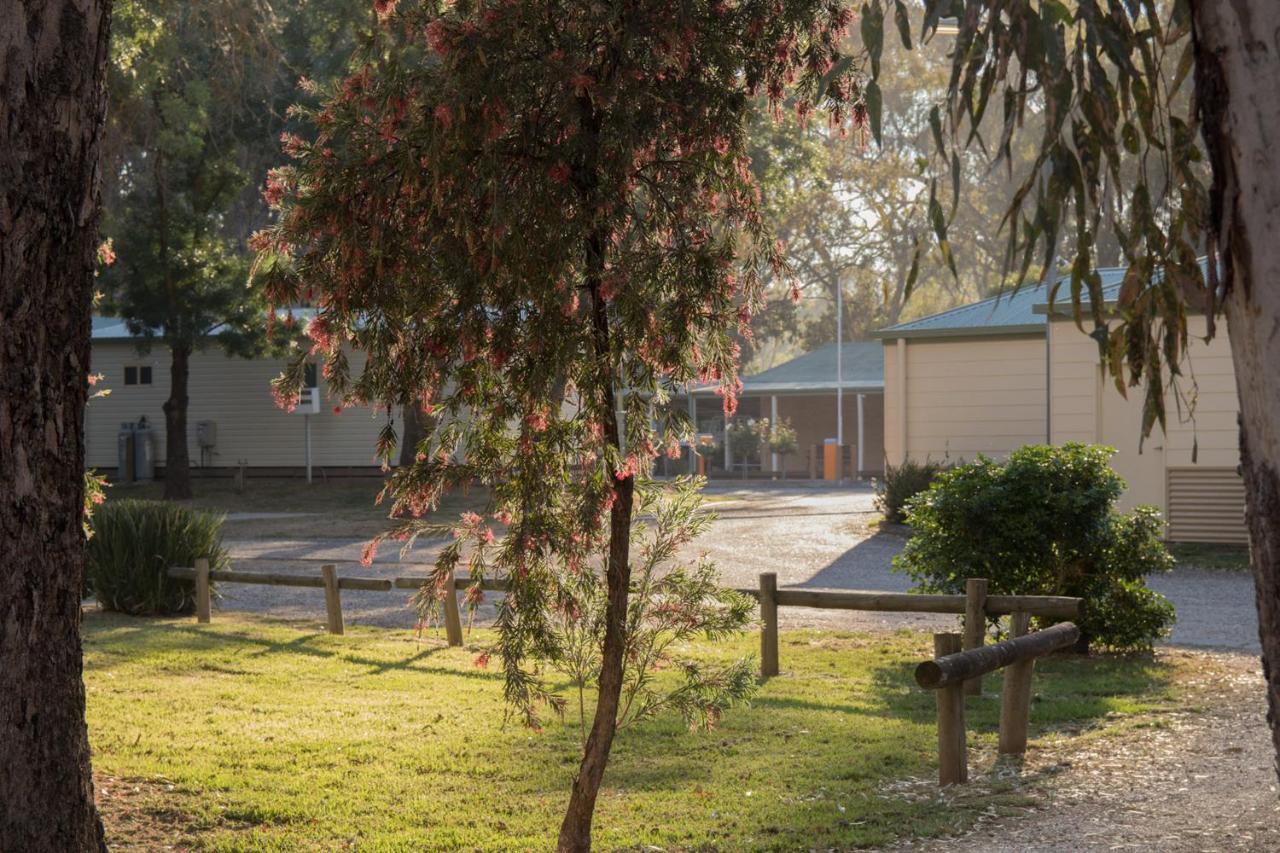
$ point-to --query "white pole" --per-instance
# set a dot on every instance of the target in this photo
(773, 425)
(840, 367)
(861, 433)
(306, 427)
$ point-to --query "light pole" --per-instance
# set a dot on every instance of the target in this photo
(840, 378)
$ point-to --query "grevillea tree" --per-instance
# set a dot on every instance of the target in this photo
(538, 219)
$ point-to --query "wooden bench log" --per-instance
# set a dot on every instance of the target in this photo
(955, 668)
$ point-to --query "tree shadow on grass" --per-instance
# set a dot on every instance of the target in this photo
(179, 638)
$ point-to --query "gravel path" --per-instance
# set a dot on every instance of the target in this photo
(1200, 780)
(810, 536)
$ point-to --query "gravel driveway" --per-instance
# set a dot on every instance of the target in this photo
(810, 536)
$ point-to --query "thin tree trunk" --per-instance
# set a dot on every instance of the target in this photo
(51, 109)
(575, 829)
(1237, 81)
(177, 462)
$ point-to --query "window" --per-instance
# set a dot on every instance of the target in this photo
(137, 375)
(310, 377)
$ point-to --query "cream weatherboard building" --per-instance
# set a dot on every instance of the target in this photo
(1011, 370)
(232, 394)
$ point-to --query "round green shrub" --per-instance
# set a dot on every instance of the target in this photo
(1044, 523)
(134, 545)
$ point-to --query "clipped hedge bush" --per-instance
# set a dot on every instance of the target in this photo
(134, 544)
(1044, 523)
(902, 483)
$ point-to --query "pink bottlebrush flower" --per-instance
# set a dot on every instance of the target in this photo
(482, 660)
(502, 517)
(582, 84)
(487, 535)
(436, 37)
(106, 253)
(384, 8)
(288, 402)
(275, 189)
(444, 115)
(628, 468)
(367, 553)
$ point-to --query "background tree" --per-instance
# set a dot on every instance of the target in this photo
(518, 211)
(51, 118)
(199, 93)
(1110, 80)
(850, 212)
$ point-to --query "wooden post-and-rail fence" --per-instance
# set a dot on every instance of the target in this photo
(960, 660)
(952, 668)
(976, 606)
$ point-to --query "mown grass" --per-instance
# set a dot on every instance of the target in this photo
(251, 734)
(341, 507)
(1203, 555)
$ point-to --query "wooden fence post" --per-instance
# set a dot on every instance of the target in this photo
(975, 624)
(452, 618)
(1015, 698)
(953, 762)
(768, 624)
(332, 598)
(202, 590)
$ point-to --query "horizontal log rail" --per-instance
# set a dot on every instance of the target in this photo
(1049, 606)
(282, 579)
(975, 663)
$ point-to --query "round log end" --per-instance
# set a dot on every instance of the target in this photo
(928, 674)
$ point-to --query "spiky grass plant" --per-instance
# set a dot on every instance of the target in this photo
(134, 544)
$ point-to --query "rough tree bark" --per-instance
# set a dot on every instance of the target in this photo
(52, 103)
(177, 460)
(575, 829)
(416, 427)
(1237, 47)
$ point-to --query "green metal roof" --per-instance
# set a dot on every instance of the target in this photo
(863, 370)
(1018, 313)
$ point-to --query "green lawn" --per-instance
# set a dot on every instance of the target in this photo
(262, 735)
(341, 507)
(1211, 556)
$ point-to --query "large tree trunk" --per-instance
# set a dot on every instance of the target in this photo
(177, 462)
(416, 427)
(51, 111)
(1237, 86)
